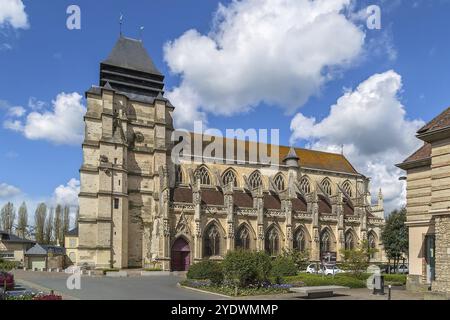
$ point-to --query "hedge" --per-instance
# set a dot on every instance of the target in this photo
(206, 270)
(314, 280)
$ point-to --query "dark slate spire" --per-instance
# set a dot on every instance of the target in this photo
(130, 69)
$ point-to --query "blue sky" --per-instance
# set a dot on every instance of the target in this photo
(41, 59)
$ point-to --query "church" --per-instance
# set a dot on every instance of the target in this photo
(140, 209)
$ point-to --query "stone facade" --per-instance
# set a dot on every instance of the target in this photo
(428, 203)
(138, 208)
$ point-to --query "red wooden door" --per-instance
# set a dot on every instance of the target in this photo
(180, 259)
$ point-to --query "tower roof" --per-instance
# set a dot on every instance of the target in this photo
(292, 155)
(130, 54)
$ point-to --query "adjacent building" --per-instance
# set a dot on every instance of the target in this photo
(13, 248)
(428, 207)
(138, 207)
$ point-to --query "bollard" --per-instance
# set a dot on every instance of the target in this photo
(389, 294)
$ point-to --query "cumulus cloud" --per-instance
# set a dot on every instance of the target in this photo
(8, 191)
(371, 123)
(278, 52)
(12, 13)
(16, 111)
(63, 124)
(67, 194)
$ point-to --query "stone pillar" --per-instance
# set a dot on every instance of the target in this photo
(197, 200)
(229, 205)
(442, 231)
(259, 205)
(338, 210)
(313, 209)
(287, 209)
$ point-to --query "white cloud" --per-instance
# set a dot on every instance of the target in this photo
(8, 191)
(12, 13)
(67, 194)
(61, 125)
(279, 52)
(16, 111)
(372, 125)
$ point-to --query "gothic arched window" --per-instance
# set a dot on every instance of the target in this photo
(348, 188)
(326, 185)
(178, 174)
(349, 241)
(300, 240)
(305, 186)
(243, 239)
(325, 242)
(229, 177)
(272, 242)
(372, 243)
(279, 182)
(203, 174)
(255, 180)
(212, 242)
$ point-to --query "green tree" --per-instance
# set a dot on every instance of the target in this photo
(395, 236)
(58, 224)
(358, 259)
(48, 234)
(40, 216)
(22, 221)
(66, 224)
(7, 216)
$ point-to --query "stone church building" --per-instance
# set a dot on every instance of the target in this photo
(139, 209)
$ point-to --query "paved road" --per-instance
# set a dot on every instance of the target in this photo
(104, 288)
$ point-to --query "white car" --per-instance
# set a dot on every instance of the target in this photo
(331, 270)
(312, 268)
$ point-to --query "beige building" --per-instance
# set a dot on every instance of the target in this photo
(138, 208)
(428, 207)
(13, 248)
(71, 246)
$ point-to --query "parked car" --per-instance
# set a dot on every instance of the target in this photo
(312, 268)
(331, 270)
(8, 279)
(403, 269)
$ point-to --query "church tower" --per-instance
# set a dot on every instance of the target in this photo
(128, 126)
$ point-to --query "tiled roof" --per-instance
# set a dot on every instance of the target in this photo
(183, 195)
(324, 206)
(11, 238)
(422, 154)
(348, 209)
(299, 204)
(272, 202)
(72, 233)
(308, 158)
(440, 122)
(242, 200)
(42, 250)
(212, 197)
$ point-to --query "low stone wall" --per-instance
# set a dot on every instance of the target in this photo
(414, 284)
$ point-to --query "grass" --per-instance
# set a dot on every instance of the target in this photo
(153, 269)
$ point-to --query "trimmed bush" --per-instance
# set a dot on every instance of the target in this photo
(283, 267)
(395, 279)
(313, 280)
(8, 265)
(206, 270)
(244, 268)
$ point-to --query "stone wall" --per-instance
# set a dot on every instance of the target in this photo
(442, 226)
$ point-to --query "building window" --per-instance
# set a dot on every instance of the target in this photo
(212, 241)
(372, 243)
(255, 180)
(178, 174)
(305, 185)
(229, 177)
(348, 188)
(203, 174)
(243, 239)
(279, 182)
(326, 185)
(116, 203)
(300, 241)
(325, 242)
(349, 241)
(272, 242)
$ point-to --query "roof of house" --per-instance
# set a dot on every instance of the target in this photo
(130, 54)
(310, 159)
(72, 233)
(11, 238)
(43, 250)
(422, 154)
(440, 122)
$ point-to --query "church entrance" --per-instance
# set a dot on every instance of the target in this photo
(181, 255)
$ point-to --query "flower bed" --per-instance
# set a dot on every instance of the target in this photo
(35, 297)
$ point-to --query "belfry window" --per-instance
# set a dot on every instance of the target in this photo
(229, 177)
(272, 242)
(255, 180)
(203, 174)
(279, 182)
(212, 242)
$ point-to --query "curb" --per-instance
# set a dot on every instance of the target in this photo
(44, 289)
(204, 291)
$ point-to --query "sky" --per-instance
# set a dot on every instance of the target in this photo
(312, 69)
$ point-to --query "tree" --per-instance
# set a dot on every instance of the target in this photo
(77, 216)
(22, 221)
(58, 224)
(358, 259)
(395, 236)
(66, 224)
(39, 222)
(48, 235)
(8, 215)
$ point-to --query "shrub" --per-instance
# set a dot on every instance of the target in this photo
(8, 265)
(244, 268)
(300, 258)
(110, 270)
(395, 279)
(283, 267)
(206, 270)
(313, 280)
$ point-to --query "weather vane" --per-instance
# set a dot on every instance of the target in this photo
(120, 23)
(141, 31)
